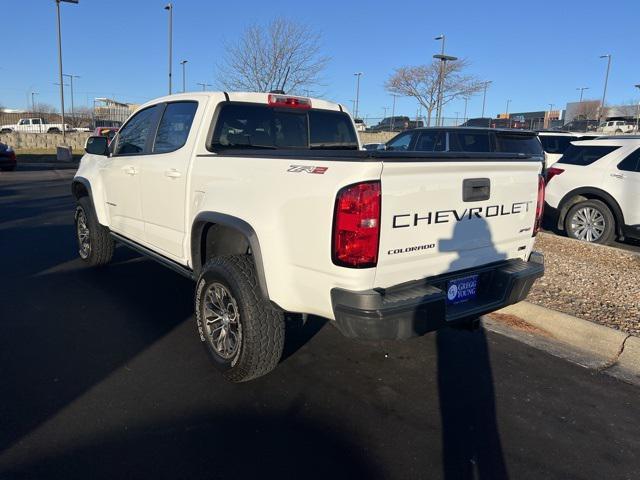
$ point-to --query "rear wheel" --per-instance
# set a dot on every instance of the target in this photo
(590, 221)
(95, 245)
(241, 331)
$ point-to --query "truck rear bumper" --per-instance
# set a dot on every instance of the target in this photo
(415, 308)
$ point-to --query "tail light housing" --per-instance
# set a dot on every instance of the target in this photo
(552, 172)
(276, 100)
(356, 225)
(539, 205)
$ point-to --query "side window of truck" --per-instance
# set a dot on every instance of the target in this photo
(132, 138)
(400, 143)
(174, 127)
(431, 142)
(469, 142)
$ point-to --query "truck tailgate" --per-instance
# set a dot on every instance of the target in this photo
(444, 216)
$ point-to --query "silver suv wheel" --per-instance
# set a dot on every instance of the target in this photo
(588, 224)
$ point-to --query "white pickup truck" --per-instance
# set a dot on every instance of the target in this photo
(268, 203)
(35, 125)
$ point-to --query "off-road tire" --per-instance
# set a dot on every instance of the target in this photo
(101, 243)
(261, 324)
(609, 232)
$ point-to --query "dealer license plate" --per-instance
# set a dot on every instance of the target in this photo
(462, 290)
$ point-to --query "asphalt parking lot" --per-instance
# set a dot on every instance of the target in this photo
(103, 376)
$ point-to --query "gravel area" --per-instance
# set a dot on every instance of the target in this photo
(596, 283)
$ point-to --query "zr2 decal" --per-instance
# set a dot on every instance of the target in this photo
(307, 169)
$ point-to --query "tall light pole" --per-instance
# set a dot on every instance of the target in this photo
(606, 80)
(484, 96)
(183, 63)
(549, 118)
(33, 102)
(637, 85)
(582, 89)
(443, 68)
(204, 85)
(71, 77)
(393, 111)
(60, 64)
(169, 8)
(442, 38)
(507, 112)
(357, 74)
(464, 118)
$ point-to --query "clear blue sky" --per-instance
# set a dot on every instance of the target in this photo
(535, 53)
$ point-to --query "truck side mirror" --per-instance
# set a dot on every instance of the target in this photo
(97, 146)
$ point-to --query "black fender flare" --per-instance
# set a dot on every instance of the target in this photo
(565, 205)
(85, 183)
(205, 218)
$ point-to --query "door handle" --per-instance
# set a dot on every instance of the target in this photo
(618, 175)
(129, 170)
(173, 173)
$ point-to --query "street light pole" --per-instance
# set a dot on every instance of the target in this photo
(357, 74)
(606, 80)
(204, 85)
(443, 61)
(507, 112)
(60, 69)
(183, 63)
(393, 111)
(582, 89)
(484, 96)
(464, 118)
(440, 80)
(169, 7)
(549, 118)
(33, 102)
(71, 77)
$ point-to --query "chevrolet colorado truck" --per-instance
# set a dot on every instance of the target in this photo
(269, 204)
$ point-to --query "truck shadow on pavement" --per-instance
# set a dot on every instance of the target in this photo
(470, 436)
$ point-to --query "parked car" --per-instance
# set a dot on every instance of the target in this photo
(392, 124)
(580, 126)
(374, 146)
(472, 140)
(360, 125)
(108, 132)
(7, 158)
(593, 191)
(35, 125)
(268, 203)
(618, 127)
(554, 144)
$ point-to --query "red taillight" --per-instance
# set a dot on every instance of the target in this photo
(539, 206)
(276, 100)
(552, 172)
(356, 225)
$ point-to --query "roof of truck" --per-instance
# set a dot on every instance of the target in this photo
(249, 97)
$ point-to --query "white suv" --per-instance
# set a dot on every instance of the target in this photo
(593, 191)
(555, 142)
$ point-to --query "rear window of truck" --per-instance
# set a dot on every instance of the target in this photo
(518, 143)
(257, 126)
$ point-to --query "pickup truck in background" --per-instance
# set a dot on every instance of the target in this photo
(268, 203)
(618, 127)
(35, 125)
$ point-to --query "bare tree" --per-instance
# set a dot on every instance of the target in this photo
(587, 110)
(282, 55)
(421, 83)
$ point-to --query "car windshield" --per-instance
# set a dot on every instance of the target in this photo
(245, 126)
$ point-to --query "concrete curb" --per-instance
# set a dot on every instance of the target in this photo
(586, 343)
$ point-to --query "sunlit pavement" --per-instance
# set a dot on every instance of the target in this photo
(102, 376)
